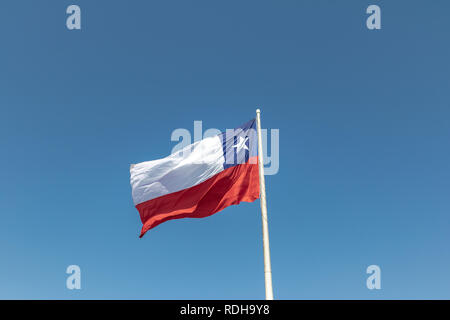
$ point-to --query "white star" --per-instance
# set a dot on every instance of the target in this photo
(241, 144)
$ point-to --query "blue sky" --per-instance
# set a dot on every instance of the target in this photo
(364, 120)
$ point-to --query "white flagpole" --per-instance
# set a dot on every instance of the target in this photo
(265, 227)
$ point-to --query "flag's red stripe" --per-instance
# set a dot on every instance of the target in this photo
(229, 187)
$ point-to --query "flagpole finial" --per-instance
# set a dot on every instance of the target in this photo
(258, 111)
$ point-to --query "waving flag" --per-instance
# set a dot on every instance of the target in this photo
(199, 180)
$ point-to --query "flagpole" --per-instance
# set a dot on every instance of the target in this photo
(265, 227)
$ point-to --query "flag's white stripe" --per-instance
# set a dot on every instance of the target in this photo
(181, 170)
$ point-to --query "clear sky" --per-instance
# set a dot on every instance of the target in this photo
(364, 120)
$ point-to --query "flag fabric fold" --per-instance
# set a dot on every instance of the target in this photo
(199, 180)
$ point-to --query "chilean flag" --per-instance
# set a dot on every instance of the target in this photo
(199, 180)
